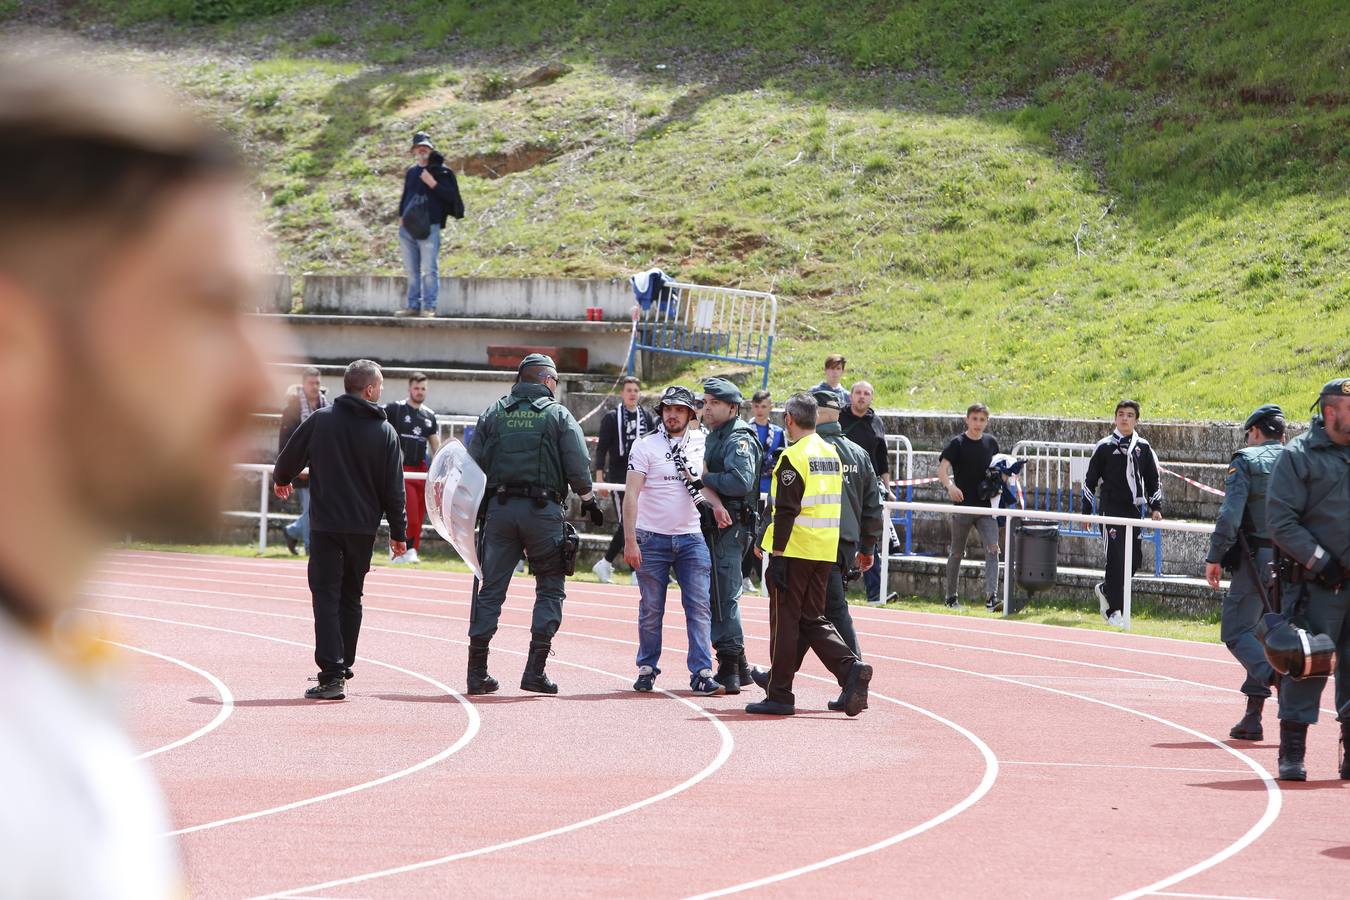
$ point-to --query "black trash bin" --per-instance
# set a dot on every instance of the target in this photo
(1035, 556)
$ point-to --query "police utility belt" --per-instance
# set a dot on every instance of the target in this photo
(1292, 572)
(540, 495)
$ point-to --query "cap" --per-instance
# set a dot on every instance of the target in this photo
(1261, 412)
(721, 389)
(827, 400)
(422, 139)
(536, 359)
(1339, 387)
(676, 395)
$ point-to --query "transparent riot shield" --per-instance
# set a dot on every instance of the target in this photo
(455, 487)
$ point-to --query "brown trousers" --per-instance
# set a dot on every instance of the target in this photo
(797, 623)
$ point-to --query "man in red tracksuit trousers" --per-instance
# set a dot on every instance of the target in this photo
(419, 438)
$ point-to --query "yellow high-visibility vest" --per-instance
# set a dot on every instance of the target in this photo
(815, 532)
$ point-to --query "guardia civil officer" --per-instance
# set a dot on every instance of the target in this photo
(532, 451)
(1241, 545)
(731, 470)
(803, 543)
(861, 521)
(1308, 512)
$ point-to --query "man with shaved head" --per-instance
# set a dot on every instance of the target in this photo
(862, 426)
(127, 264)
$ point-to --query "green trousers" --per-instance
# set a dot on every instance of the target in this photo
(511, 529)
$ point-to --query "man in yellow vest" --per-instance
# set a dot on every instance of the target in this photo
(803, 540)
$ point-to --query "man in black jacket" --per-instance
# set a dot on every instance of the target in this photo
(430, 194)
(862, 426)
(355, 476)
(302, 400)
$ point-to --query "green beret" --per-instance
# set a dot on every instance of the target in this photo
(1261, 412)
(536, 359)
(721, 389)
(828, 400)
(1338, 387)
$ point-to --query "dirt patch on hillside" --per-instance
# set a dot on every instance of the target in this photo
(505, 162)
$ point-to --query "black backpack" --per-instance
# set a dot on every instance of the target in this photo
(417, 217)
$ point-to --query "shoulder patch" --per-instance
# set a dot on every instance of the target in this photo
(788, 476)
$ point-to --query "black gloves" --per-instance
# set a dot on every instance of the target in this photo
(592, 509)
(1333, 573)
(778, 571)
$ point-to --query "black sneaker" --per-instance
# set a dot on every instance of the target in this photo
(994, 603)
(952, 602)
(646, 679)
(327, 690)
(347, 674)
(291, 544)
(704, 685)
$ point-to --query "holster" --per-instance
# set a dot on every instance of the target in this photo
(571, 546)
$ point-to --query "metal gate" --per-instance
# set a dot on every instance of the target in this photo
(710, 323)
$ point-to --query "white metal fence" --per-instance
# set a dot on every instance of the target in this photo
(710, 323)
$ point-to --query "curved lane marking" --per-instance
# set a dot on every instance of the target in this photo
(226, 699)
(469, 733)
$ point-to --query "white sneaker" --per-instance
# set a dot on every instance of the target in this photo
(411, 556)
(399, 560)
(1116, 620)
(604, 570)
(632, 579)
(520, 567)
(747, 585)
(1100, 590)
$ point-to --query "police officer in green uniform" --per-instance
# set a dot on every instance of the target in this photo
(1308, 513)
(1241, 545)
(731, 469)
(861, 520)
(532, 451)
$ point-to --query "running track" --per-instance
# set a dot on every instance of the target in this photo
(998, 757)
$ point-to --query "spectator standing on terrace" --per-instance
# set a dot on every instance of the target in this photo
(961, 470)
(862, 426)
(834, 374)
(620, 429)
(301, 400)
(1122, 479)
(430, 195)
(419, 438)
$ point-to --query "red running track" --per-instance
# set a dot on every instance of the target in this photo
(997, 756)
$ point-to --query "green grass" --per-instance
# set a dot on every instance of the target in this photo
(1041, 206)
(1046, 611)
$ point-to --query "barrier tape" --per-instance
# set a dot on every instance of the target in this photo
(1191, 481)
(913, 481)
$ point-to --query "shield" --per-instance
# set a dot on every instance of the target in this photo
(455, 488)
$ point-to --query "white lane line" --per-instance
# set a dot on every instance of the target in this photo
(1077, 765)
(991, 768)
(226, 699)
(889, 617)
(469, 733)
(978, 793)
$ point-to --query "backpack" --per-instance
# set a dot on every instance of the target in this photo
(417, 217)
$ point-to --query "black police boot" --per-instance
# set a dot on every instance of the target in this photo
(1293, 744)
(480, 682)
(1249, 729)
(743, 671)
(728, 674)
(534, 678)
(1345, 740)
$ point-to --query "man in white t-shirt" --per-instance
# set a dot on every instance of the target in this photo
(666, 511)
(127, 262)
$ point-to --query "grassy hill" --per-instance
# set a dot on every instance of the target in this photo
(1043, 205)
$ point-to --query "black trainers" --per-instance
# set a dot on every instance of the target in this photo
(291, 544)
(770, 708)
(952, 602)
(994, 603)
(327, 690)
(646, 679)
(705, 685)
(347, 674)
(854, 697)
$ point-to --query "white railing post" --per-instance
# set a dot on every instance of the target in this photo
(1007, 568)
(1129, 573)
(262, 511)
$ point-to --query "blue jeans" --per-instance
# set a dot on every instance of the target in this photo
(299, 529)
(419, 263)
(688, 554)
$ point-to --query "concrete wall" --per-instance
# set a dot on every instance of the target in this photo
(509, 298)
(276, 294)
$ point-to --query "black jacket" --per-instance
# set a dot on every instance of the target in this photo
(868, 433)
(355, 468)
(1127, 473)
(442, 200)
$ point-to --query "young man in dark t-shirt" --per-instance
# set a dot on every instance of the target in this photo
(961, 468)
(419, 439)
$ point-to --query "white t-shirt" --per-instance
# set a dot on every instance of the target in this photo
(79, 817)
(664, 506)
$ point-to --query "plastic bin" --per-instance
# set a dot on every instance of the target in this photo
(1035, 556)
